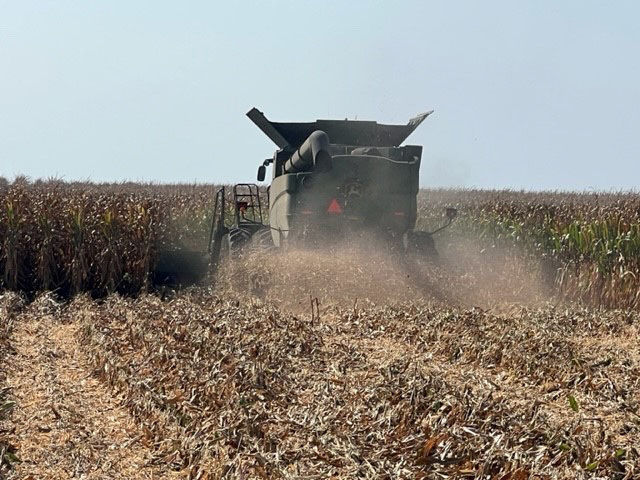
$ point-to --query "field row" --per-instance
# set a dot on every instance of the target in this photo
(235, 388)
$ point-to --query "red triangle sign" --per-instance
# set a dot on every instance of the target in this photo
(334, 207)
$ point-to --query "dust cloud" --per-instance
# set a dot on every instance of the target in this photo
(465, 274)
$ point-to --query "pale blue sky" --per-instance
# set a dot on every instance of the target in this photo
(536, 95)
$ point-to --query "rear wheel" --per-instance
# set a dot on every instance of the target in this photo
(237, 239)
(262, 239)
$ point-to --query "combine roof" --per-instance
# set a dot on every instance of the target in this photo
(340, 132)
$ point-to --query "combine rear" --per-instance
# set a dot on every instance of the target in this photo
(332, 181)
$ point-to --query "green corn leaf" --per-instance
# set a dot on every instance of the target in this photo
(10, 458)
(592, 466)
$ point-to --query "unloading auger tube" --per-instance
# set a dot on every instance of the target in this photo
(313, 154)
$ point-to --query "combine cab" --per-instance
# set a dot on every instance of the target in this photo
(332, 181)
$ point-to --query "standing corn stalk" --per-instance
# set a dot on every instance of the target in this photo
(10, 248)
(79, 266)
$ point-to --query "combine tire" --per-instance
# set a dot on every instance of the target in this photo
(262, 240)
(238, 238)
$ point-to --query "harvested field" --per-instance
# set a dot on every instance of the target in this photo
(388, 389)
(10, 305)
(224, 384)
(67, 424)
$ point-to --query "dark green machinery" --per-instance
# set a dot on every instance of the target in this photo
(332, 181)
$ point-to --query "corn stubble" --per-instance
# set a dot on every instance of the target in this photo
(10, 305)
(239, 389)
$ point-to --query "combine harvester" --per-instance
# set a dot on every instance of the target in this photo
(332, 181)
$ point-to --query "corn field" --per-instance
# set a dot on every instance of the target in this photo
(99, 238)
(590, 242)
(75, 237)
